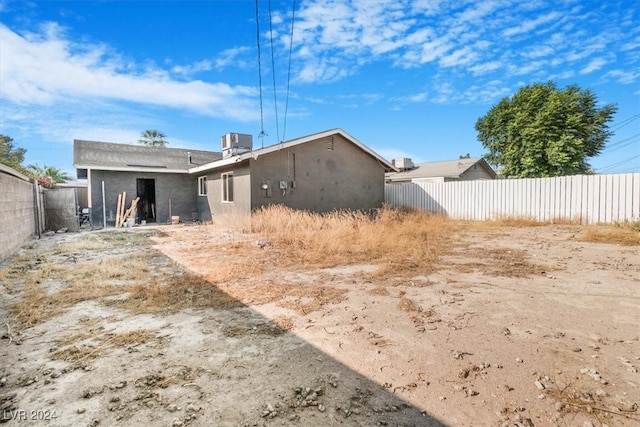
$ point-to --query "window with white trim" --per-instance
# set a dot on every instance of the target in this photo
(202, 186)
(227, 187)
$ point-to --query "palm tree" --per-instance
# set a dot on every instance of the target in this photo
(153, 138)
(48, 176)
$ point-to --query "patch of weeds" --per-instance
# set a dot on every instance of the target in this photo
(408, 305)
(397, 240)
(379, 290)
(621, 233)
(505, 262)
(595, 404)
(269, 329)
(37, 305)
(175, 293)
(90, 344)
(307, 299)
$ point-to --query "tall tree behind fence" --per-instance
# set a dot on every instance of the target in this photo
(587, 199)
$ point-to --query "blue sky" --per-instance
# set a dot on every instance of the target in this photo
(407, 78)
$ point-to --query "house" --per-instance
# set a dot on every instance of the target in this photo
(451, 170)
(158, 175)
(320, 172)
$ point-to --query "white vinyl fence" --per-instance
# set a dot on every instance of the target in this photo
(587, 199)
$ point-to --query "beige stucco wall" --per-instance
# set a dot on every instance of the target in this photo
(316, 178)
(241, 206)
(476, 172)
(319, 179)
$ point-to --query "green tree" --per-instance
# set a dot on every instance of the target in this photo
(544, 131)
(48, 176)
(10, 155)
(153, 138)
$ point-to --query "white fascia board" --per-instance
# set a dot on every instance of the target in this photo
(120, 169)
(221, 163)
(283, 145)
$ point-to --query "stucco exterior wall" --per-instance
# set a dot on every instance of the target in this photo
(476, 172)
(322, 175)
(241, 205)
(17, 213)
(180, 188)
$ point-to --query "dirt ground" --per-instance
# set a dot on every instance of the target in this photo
(515, 326)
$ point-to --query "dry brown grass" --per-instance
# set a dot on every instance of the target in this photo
(395, 240)
(72, 284)
(505, 262)
(175, 293)
(605, 409)
(626, 233)
(525, 221)
(37, 305)
(408, 305)
(90, 344)
(54, 280)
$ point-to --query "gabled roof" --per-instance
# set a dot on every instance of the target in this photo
(388, 167)
(125, 157)
(447, 169)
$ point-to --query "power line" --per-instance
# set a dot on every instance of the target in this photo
(623, 143)
(617, 164)
(626, 122)
(262, 133)
(286, 104)
(273, 72)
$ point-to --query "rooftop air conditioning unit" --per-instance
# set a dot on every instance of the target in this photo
(403, 163)
(236, 143)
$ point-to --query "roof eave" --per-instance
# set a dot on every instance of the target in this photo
(277, 147)
(131, 169)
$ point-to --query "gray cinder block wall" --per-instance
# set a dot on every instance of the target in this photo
(17, 211)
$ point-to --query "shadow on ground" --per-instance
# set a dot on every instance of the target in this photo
(197, 358)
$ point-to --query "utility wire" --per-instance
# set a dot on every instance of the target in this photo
(273, 72)
(623, 143)
(617, 164)
(262, 133)
(286, 104)
(626, 122)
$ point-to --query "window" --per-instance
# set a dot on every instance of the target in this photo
(202, 186)
(227, 187)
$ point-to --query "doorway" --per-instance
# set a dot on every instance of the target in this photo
(147, 204)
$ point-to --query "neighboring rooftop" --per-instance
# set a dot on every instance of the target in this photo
(126, 157)
(450, 169)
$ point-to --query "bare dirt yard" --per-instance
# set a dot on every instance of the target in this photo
(458, 324)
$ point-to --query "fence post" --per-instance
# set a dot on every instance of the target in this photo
(36, 208)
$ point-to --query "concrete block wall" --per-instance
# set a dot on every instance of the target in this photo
(17, 211)
(182, 189)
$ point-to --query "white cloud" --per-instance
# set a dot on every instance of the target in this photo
(535, 52)
(188, 70)
(46, 68)
(531, 24)
(460, 57)
(632, 44)
(435, 50)
(526, 68)
(485, 68)
(419, 97)
(624, 76)
(593, 65)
